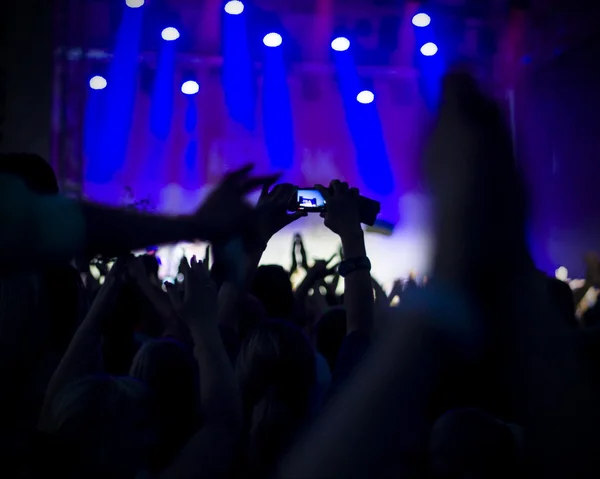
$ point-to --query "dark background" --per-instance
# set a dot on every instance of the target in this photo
(558, 121)
(26, 75)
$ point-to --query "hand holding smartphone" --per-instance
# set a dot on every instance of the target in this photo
(312, 201)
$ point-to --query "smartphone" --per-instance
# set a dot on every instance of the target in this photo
(309, 199)
(312, 201)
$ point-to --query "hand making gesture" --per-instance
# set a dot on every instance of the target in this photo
(199, 305)
(226, 212)
(271, 212)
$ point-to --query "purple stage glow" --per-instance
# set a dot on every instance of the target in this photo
(553, 113)
(174, 180)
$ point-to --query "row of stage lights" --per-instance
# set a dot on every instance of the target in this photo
(272, 40)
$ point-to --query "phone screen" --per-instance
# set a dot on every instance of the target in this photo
(310, 200)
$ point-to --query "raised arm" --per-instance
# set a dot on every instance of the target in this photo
(270, 217)
(315, 276)
(343, 218)
(211, 451)
(42, 229)
(378, 425)
(84, 355)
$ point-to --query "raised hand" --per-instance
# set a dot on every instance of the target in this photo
(137, 270)
(382, 301)
(342, 215)
(271, 214)
(152, 291)
(113, 283)
(225, 212)
(322, 268)
(199, 306)
(478, 193)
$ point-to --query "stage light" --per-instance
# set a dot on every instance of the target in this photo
(170, 34)
(134, 3)
(190, 87)
(365, 97)
(421, 20)
(429, 49)
(562, 273)
(98, 83)
(340, 44)
(272, 40)
(234, 7)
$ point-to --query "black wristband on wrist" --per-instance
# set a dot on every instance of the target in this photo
(354, 264)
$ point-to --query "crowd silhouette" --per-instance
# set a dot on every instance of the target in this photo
(483, 371)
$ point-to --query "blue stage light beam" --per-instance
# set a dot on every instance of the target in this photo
(430, 60)
(238, 78)
(161, 111)
(109, 155)
(364, 124)
(94, 120)
(277, 116)
(192, 174)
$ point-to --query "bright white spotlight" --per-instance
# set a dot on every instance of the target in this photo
(170, 34)
(190, 87)
(98, 83)
(234, 7)
(562, 273)
(421, 20)
(134, 3)
(272, 39)
(365, 97)
(429, 49)
(340, 44)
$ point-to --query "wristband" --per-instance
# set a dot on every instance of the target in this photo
(354, 264)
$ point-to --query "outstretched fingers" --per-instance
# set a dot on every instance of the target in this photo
(249, 185)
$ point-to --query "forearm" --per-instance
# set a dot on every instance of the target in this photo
(305, 286)
(113, 232)
(389, 397)
(253, 261)
(210, 452)
(580, 293)
(358, 290)
(220, 397)
(229, 296)
(41, 229)
(83, 357)
(387, 400)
